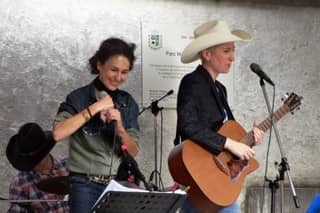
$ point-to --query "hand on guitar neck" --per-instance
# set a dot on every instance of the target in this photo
(243, 151)
(258, 134)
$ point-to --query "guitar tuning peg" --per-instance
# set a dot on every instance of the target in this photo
(285, 96)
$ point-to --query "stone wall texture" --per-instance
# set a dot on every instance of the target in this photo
(45, 45)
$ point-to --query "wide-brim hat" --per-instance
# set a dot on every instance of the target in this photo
(29, 146)
(210, 34)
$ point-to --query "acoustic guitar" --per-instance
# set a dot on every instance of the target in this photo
(216, 180)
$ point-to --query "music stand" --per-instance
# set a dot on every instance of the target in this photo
(139, 202)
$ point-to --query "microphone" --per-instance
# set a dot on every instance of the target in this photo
(170, 92)
(103, 93)
(257, 70)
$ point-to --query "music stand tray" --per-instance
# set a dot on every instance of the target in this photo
(139, 202)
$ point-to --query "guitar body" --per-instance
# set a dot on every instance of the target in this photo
(215, 180)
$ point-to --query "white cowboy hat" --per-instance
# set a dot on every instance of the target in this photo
(210, 34)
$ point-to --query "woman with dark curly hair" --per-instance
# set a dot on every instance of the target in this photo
(97, 119)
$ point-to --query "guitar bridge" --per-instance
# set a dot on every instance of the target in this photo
(220, 165)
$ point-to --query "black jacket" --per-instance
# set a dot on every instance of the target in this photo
(200, 109)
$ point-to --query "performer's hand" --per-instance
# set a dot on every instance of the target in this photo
(113, 114)
(243, 151)
(105, 103)
(257, 133)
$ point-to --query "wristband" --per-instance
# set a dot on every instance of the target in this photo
(89, 112)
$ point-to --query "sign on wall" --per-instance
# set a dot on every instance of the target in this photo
(162, 45)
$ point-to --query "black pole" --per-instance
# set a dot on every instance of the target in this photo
(284, 166)
(273, 185)
(155, 109)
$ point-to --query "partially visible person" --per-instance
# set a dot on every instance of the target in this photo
(96, 120)
(314, 206)
(202, 106)
(29, 152)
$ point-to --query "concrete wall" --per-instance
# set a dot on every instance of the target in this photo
(44, 47)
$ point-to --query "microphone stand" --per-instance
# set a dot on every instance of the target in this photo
(155, 109)
(154, 105)
(283, 166)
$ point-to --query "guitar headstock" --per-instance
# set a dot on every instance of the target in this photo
(293, 102)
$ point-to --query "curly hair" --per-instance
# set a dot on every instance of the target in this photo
(111, 47)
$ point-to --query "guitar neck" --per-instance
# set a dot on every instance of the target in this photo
(266, 124)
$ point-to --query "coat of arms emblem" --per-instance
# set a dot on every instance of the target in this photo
(155, 41)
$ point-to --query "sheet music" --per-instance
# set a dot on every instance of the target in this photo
(115, 186)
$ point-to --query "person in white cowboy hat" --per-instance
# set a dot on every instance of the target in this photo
(28, 152)
(202, 105)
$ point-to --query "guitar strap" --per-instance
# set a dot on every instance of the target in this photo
(177, 139)
(223, 98)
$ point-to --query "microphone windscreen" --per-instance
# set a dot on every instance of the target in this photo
(255, 67)
(102, 93)
(170, 92)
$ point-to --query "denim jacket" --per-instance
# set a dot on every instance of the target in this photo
(91, 146)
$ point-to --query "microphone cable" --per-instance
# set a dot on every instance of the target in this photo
(101, 94)
(161, 149)
(113, 147)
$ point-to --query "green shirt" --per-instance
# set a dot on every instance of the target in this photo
(91, 154)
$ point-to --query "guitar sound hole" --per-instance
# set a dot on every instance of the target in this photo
(234, 157)
(236, 166)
